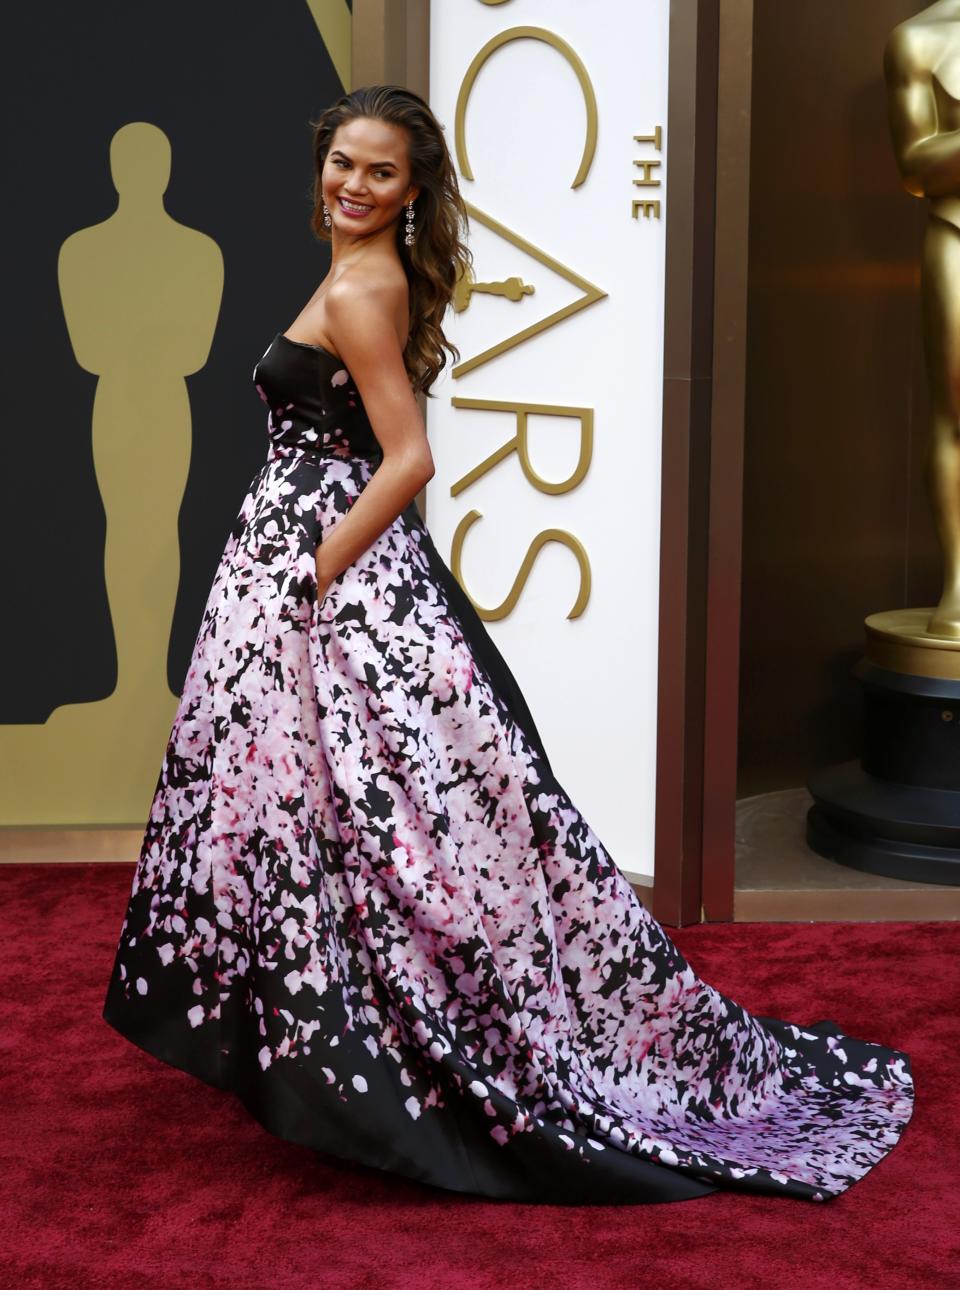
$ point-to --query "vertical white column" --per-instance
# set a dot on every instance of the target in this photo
(562, 109)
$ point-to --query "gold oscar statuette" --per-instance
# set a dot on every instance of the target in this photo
(896, 810)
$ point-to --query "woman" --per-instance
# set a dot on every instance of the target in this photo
(364, 903)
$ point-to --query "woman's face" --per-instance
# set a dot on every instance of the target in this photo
(366, 176)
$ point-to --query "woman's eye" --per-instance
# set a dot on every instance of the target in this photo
(382, 174)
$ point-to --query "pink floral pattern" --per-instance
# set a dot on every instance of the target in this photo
(365, 904)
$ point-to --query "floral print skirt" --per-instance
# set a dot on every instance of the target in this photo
(365, 906)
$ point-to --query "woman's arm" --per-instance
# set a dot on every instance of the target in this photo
(358, 320)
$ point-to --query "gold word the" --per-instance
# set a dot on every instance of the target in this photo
(647, 204)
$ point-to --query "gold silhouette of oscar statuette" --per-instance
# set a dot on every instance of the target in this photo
(510, 288)
(141, 295)
(921, 64)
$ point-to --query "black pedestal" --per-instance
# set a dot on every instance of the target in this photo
(896, 811)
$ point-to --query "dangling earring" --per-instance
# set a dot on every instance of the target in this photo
(409, 237)
(326, 216)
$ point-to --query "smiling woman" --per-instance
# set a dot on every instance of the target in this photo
(380, 170)
(374, 149)
(364, 903)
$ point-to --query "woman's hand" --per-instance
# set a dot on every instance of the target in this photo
(323, 582)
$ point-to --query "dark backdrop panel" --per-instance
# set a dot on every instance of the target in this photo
(233, 85)
(836, 524)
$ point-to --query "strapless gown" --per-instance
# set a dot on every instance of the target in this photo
(365, 905)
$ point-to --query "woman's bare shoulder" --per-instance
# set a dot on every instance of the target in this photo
(372, 295)
(383, 279)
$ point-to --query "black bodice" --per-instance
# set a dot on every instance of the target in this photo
(313, 403)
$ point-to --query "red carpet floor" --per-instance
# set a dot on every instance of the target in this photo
(117, 1171)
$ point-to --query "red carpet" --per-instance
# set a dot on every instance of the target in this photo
(120, 1172)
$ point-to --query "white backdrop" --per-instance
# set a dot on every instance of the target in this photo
(590, 681)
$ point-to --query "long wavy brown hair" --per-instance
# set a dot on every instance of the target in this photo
(438, 256)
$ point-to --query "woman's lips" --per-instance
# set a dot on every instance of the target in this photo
(356, 214)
